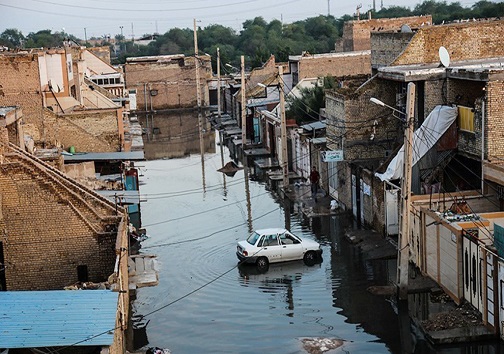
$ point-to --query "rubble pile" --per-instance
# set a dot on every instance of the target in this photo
(462, 316)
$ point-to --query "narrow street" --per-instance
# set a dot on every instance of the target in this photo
(205, 303)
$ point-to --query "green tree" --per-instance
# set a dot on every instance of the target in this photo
(306, 107)
(12, 38)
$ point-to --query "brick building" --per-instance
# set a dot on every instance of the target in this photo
(357, 33)
(49, 87)
(56, 232)
(472, 81)
(308, 66)
(167, 81)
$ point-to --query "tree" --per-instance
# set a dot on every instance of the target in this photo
(307, 106)
(12, 38)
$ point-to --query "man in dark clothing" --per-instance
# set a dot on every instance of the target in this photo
(314, 180)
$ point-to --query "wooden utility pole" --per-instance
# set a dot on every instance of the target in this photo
(198, 100)
(403, 247)
(196, 63)
(218, 85)
(243, 105)
(283, 131)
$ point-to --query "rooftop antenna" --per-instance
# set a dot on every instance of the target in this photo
(444, 57)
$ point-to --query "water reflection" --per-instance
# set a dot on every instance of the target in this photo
(176, 134)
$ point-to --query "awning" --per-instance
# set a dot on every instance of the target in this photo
(432, 129)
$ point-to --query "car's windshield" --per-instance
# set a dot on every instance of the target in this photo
(252, 239)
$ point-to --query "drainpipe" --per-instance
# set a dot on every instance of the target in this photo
(145, 97)
(482, 145)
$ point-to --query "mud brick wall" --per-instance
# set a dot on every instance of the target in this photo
(357, 34)
(165, 85)
(44, 239)
(90, 131)
(464, 41)
(20, 86)
(345, 64)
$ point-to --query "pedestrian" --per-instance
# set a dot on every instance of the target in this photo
(314, 180)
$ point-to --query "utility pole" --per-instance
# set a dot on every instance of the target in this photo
(283, 131)
(198, 102)
(218, 85)
(85, 35)
(196, 63)
(328, 8)
(243, 107)
(403, 247)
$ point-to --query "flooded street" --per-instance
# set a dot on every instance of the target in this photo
(205, 303)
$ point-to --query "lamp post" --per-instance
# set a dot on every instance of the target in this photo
(403, 246)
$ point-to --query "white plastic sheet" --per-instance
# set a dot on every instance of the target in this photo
(432, 129)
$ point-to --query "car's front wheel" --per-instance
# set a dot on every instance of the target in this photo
(310, 258)
(262, 263)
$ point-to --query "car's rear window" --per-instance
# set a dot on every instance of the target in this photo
(252, 239)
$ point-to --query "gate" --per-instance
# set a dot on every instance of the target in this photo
(472, 264)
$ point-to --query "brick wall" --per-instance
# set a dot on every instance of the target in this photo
(20, 86)
(386, 47)
(494, 119)
(357, 34)
(44, 238)
(343, 64)
(165, 85)
(464, 41)
(349, 123)
(88, 131)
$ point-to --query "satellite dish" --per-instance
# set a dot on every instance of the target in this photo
(444, 57)
(406, 29)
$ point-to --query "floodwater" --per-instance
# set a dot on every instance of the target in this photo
(205, 303)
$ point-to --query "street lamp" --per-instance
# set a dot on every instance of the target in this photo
(381, 103)
(403, 247)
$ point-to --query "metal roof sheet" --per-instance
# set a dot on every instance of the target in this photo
(97, 156)
(55, 318)
(314, 125)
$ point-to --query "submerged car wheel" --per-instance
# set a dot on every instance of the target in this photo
(310, 258)
(262, 263)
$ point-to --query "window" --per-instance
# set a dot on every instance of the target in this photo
(466, 118)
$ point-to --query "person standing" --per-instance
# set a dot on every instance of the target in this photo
(314, 180)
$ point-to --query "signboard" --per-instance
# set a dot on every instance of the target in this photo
(332, 155)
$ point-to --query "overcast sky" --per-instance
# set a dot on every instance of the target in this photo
(88, 18)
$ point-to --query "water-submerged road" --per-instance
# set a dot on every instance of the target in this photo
(204, 303)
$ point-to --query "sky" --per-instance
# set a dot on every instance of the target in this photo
(99, 18)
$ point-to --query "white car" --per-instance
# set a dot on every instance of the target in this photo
(276, 245)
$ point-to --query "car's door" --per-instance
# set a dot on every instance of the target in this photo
(291, 247)
(271, 248)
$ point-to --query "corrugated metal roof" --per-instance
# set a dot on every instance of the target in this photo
(314, 125)
(55, 318)
(97, 156)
